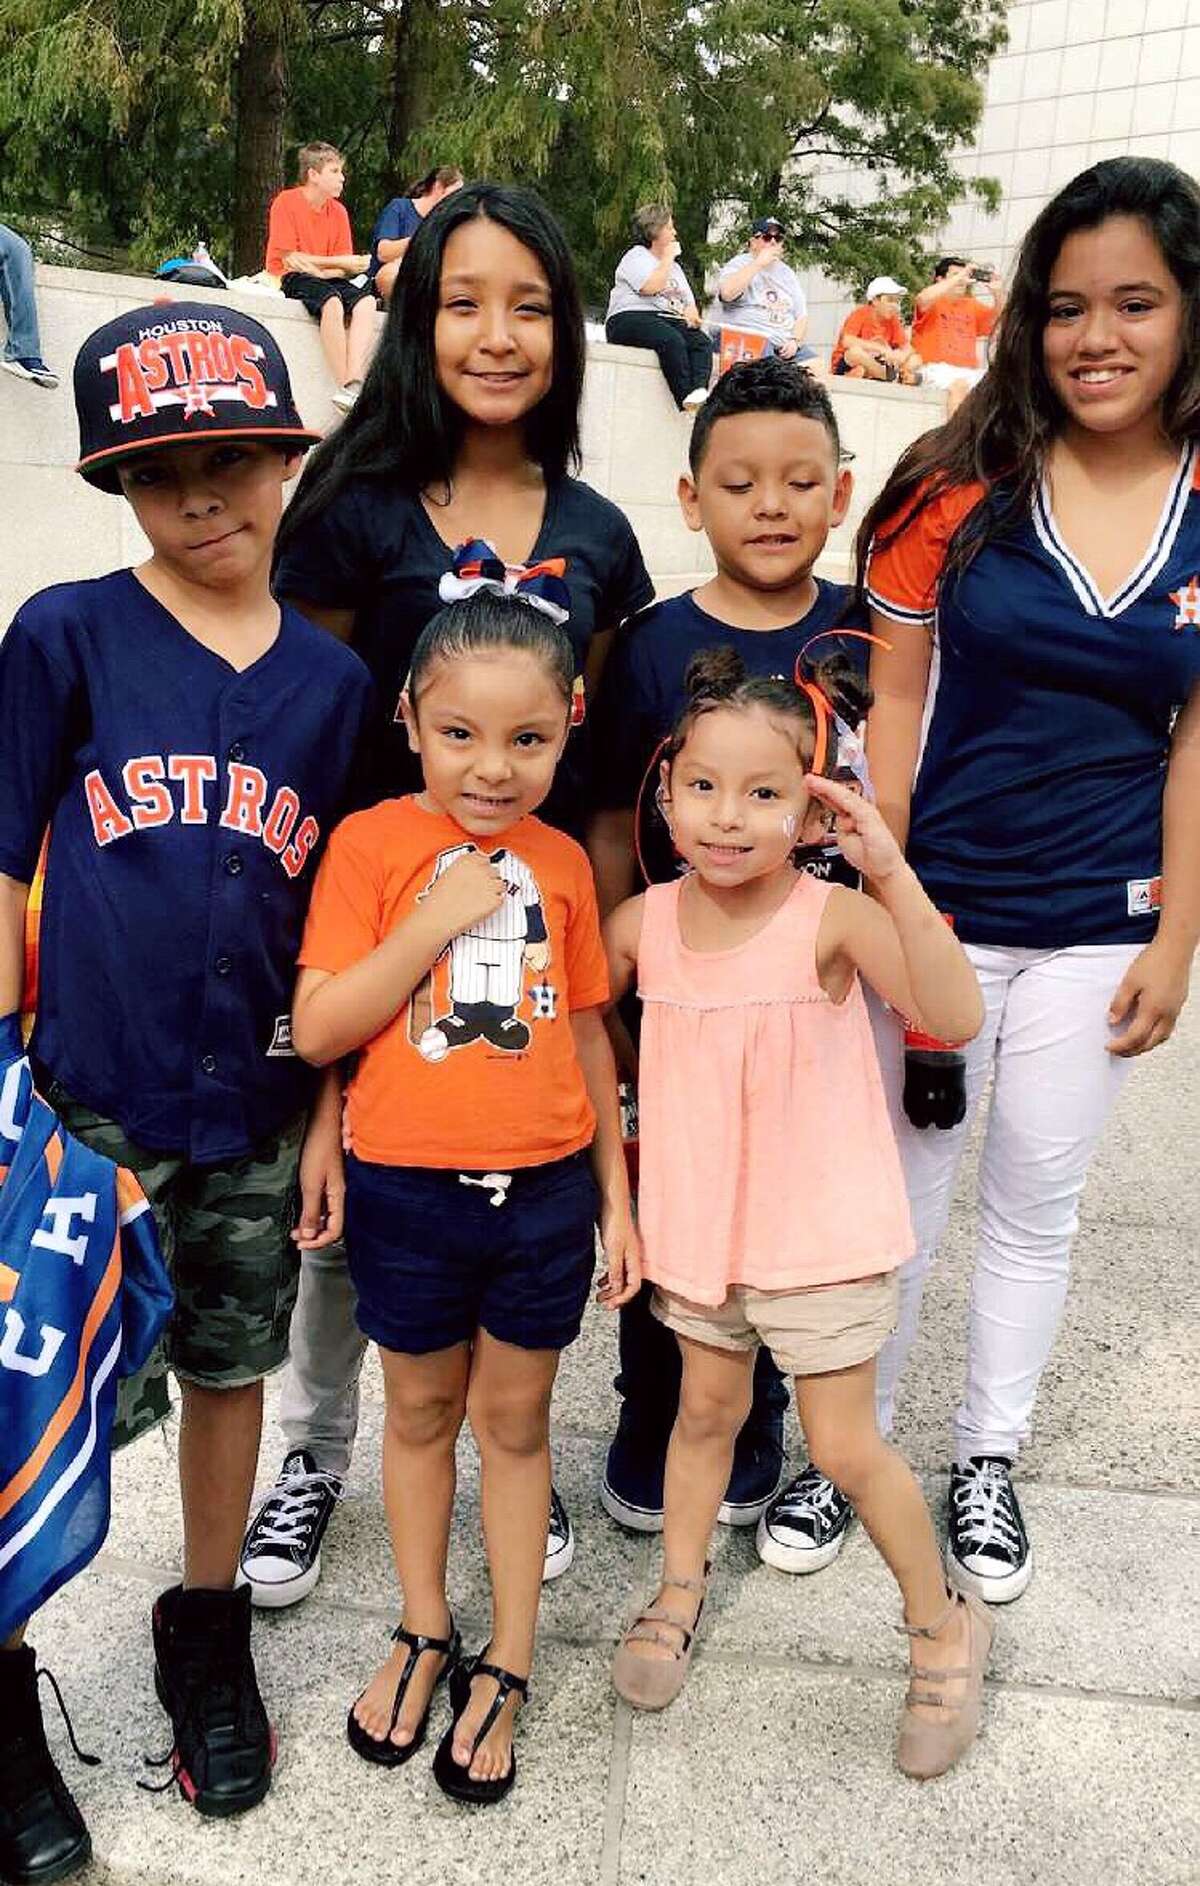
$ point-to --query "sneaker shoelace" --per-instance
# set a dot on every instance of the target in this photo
(560, 1525)
(983, 1501)
(810, 1497)
(28, 1763)
(289, 1512)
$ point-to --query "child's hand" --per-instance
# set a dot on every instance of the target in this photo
(468, 892)
(858, 829)
(322, 1185)
(623, 1254)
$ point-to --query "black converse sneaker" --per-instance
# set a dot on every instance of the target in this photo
(988, 1550)
(560, 1540)
(805, 1528)
(224, 1747)
(281, 1553)
(42, 1832)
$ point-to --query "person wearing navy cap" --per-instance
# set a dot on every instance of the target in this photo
(188, 743)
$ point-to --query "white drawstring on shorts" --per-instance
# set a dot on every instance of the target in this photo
(497, 1183)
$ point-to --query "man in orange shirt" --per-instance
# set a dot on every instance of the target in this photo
(311, 251)
(949, 323)
(873, 343)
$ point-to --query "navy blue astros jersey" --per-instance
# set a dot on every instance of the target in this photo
(187, 804)
(1037, 811)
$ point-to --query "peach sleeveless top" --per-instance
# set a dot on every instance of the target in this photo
(767, 1155)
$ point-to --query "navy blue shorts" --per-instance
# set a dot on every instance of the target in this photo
(435, 1256)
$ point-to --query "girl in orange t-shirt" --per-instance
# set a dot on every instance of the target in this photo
(762, 1117)
(453, 944)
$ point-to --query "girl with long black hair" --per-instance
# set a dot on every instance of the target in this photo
(467, 428)
(1035, 743)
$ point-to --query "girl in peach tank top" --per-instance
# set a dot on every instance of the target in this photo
(767, 1154)
(772, 1204)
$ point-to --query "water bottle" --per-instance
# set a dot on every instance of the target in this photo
(200, 255)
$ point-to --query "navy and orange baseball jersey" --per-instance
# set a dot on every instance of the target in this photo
(84, 1294)
(1037, 806)
(187, 805)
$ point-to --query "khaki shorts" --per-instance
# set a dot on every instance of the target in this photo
(809, 1332)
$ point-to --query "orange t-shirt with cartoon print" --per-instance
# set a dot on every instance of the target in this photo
(478, 1070)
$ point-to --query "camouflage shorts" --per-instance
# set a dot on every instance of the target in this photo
(225, 1235)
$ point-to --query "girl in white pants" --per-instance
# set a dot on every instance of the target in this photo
(1034, 566)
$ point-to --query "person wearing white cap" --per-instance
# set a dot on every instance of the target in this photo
(873, 343)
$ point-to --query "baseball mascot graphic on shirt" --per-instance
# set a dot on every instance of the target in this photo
(487, 965)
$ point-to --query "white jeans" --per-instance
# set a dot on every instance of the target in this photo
(1044, 1035)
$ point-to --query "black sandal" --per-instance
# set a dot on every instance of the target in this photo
(454, 1779)
(386, 1753)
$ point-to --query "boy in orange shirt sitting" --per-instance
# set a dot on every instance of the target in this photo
(311, 251)
(873, 343)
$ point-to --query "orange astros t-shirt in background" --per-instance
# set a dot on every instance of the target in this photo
(865, 323)
(478, 1070)
(950, 329)
(295, 224)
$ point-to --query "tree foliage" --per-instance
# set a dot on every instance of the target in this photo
(124, 127)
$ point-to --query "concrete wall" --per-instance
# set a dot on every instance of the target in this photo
(53, 526)
(1079, 80)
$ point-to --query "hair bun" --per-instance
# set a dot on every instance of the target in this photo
(843, 685)
(715, 674)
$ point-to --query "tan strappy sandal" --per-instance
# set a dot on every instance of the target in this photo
(926, 1747)
(653, 1682)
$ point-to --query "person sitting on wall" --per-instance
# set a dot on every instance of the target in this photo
(949, 323)
(398, 222)
(759, 294)
(311, 251)
(22, 352)
(873, 343)
(651, 305)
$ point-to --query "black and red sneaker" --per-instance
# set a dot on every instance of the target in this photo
(224, 1747)
(42, 1833)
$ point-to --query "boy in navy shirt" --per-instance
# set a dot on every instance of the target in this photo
(766, 486)
(188, 743)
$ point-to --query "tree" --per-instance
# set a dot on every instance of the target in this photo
(707, 101)
(117, 114)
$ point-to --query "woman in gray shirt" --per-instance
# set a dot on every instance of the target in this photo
(652, 306)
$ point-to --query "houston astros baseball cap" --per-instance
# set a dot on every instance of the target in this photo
(175, 372)
(768, 226)
(884, 285)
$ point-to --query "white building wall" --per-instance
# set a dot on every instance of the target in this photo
(1079, 80)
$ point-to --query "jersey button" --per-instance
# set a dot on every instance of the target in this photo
(223, 965)
(208, 1064)
(237, 751)
(233, 865)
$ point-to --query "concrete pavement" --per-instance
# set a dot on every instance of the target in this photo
(775, 1765)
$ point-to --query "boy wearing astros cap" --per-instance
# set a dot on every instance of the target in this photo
(188, 743)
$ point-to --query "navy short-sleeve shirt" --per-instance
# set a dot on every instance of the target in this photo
(396, 220)
(1037, 810)
(188, 804)
(375, 550)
